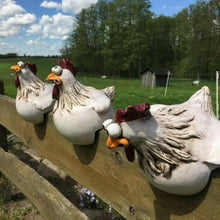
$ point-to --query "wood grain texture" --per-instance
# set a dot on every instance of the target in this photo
(49, 201)
(109, 175)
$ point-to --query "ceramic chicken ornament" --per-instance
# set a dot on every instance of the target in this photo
(177, 145)
(33, 98)
(79, 110)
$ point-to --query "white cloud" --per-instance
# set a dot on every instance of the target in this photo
(11, 9)
(58, 26)
(73, 6)
(34, 29)
(164, 7)
(45, 35)
(32, 42)
(8, 31)
(45, 47)
(6, 47)
(51, 4)
(69, 6)
(12, 18)
(21, 19)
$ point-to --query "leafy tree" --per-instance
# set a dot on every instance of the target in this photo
(109, 37)
(162, 41)
(182, 43)
(197, 51)
(121, 37)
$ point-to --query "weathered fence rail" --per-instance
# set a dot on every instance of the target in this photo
(50, 202)
(108, 174)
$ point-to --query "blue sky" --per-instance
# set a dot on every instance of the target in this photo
(40, 27)
(169, 7)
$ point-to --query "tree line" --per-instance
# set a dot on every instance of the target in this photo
(122, 37)
(15, 55)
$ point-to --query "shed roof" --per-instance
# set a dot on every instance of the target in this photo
(157, 71)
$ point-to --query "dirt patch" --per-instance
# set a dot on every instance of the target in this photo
(22, 209)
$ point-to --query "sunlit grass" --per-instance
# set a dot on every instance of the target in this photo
(128, 91)
(7, 75)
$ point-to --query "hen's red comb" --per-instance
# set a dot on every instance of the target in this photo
(66, 64)
(133, 112)
(32, 67)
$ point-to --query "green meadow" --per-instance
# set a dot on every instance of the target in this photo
(128, 91)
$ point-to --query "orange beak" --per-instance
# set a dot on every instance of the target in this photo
(54, 78)
(16, 68)
(113, 142)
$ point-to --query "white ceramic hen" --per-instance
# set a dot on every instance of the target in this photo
(178, 146)
(80, 110)
(34, 97)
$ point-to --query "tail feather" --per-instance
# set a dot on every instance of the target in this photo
(202, 99)
(109, 92)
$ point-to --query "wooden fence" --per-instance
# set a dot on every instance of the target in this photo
(106, 173)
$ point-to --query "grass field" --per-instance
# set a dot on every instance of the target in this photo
(128, 91)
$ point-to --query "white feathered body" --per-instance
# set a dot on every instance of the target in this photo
(80, 111)
(33, 99)
(179, 145)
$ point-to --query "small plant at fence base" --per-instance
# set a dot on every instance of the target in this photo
(87, 199)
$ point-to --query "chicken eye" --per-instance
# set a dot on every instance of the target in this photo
(57, 70)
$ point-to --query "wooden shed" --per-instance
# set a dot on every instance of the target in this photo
(153, 77)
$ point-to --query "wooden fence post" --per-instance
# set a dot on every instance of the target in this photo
(5, 189)
(3, 130)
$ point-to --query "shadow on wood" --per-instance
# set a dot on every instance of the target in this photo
(41, 129)
(186, 205)
(86, 154)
